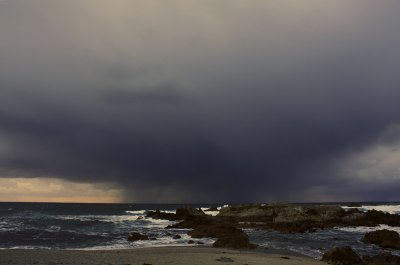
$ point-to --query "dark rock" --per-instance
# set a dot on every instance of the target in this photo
(200, 243)
(194, 221)
(285, 217)
(373, 218)
(384, 238)
(212, 209)
(190, 242)
(227, 236)
(177, 237)
(249, 212)
(157, 214)
(236, 241)
(342, 256)
(137, 236)
(382, 259)
(226, 233)
(139, 218)
(183, 213)
(214, 230)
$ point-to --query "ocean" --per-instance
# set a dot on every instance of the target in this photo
(106, 226)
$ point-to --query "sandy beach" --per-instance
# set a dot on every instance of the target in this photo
(154, 256)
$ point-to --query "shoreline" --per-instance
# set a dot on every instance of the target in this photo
(265, 250)
(187, 255)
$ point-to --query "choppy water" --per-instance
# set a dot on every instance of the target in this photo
(87, 226)
(106, 226)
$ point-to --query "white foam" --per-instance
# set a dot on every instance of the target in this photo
(159, 222)
(116, 219)
(27, 247)
(169, 211)
(392, 209)
(365, 229)
(159, 242)
(212, 213)
(139, 212)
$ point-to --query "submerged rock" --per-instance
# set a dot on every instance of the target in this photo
(384, 238)
(137, 236)
(342, 256)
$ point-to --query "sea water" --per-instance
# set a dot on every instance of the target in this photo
(107, 226)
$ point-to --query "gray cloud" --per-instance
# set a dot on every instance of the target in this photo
(199, 100)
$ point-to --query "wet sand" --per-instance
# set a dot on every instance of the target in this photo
(153, 256)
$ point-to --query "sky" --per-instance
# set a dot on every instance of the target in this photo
(199, 100)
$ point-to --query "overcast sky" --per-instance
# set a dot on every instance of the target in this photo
(203, 101)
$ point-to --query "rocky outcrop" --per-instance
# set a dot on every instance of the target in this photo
(204, 226)
(373, 218)
(137, 236)
(342, 256)
(181, 214)
(283, 213)
(289, 218)
(384, 238)
(249, 212)
(157, 214)
(282, 217)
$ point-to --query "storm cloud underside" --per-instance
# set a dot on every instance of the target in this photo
(188, 101)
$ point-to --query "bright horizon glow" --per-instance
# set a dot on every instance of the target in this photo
(56, 190)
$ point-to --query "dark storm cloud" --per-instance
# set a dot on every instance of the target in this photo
(203, 100)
